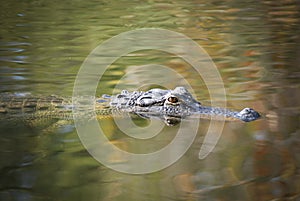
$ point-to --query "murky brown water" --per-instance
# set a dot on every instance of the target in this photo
(255, 46)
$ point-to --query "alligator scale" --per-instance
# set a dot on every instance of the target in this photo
(169, 105)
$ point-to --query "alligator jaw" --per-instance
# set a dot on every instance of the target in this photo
(246, 115)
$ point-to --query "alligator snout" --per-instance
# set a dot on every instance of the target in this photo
(248, 114)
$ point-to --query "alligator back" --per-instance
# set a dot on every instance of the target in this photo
(14, 105)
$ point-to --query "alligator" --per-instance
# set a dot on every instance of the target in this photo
(169, 105)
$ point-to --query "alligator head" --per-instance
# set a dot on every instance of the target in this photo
(173, 105)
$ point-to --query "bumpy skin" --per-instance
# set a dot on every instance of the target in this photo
(168, 105)
(174, 104)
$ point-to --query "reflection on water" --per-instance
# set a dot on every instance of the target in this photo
(255, 46)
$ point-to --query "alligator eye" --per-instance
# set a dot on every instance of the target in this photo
(173, 99)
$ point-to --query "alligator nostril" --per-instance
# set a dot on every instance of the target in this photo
(246, 111)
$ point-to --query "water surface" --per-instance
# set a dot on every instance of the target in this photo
(255, 46)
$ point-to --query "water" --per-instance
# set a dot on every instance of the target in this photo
(255, 46)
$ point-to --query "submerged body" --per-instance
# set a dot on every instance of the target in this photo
(168, 105)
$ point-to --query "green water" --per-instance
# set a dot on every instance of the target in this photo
(255, 46)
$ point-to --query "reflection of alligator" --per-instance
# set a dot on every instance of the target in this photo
(169, 105)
